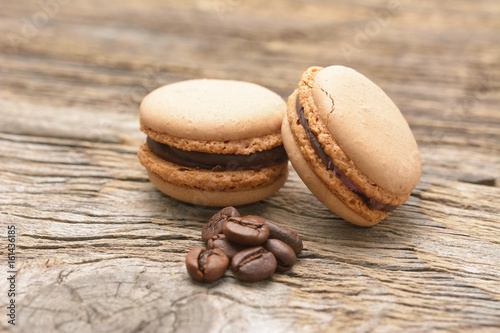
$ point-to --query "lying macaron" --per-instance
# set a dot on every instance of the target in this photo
(350, 144)
(214, 142)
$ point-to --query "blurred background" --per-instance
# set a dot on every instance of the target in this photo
(435, 59)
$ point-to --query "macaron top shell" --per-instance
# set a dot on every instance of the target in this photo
(213, 110)
(368, 127)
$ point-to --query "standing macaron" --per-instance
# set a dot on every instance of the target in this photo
(214, 142)
(350, 144)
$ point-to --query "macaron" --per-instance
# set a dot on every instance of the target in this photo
(350, 144)
(214, 142)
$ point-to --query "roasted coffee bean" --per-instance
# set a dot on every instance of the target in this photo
(246, 230)
(253, 264)
(285, 256)
(206, 265)
(214, 225)
(286, 235)
(220, 242)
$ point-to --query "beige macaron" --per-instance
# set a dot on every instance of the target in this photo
(350, 144)
(214, 142)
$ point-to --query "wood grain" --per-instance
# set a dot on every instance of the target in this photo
(100, 250)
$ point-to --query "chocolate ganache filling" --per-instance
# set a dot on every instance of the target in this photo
(218, 162)
(328, 162)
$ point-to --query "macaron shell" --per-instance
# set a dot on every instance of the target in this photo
(314, 183)
(226, 181)
(219, 188)
(216, 110)
(369, 127)
(216, 198)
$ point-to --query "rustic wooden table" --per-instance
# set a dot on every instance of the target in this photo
(99, 249)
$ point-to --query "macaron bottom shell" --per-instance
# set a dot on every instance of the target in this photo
(315, 184)
(216, 198)
(212, 188)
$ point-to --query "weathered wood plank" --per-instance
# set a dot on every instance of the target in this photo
(99, 249)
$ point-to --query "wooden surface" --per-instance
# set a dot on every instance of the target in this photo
(100, 250)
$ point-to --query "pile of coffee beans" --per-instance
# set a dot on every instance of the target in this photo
(255, 248)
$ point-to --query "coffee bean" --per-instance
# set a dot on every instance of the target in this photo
(286, 235)
(236, 239)
(285, 256)
(246, 230)
(214, 225)
(253, 264)
(220, 242)
(206, 265)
